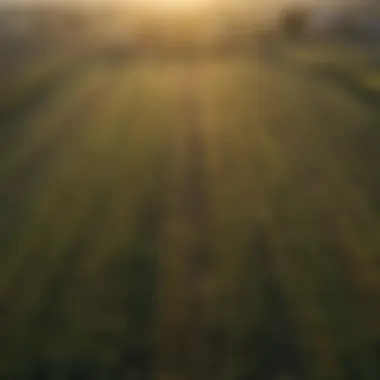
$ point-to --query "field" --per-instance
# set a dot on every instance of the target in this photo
(187, 219)
(353, 66)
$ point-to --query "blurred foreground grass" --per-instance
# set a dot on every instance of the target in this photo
(216, 219)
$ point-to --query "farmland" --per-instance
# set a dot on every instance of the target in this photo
(179, 219)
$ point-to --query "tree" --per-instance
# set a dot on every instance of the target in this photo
(294, 21)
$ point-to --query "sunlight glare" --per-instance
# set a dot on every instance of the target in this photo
(170, 5)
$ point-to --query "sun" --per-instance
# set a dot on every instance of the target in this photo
(170, 5)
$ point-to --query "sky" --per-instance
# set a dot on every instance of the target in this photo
(126, 1)
(260, 4)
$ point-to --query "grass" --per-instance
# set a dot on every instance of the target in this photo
(371, 80)
(352, 67)
(116, 184)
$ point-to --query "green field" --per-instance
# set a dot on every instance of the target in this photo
(353, 67)
(212, 219)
